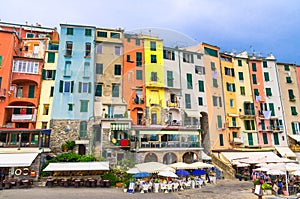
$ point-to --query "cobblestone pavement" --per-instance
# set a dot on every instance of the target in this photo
(224, 189)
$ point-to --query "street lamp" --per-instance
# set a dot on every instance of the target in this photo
(286, 177)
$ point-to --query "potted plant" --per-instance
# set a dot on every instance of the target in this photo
(267, 188)
(70, 145)
(64, 147)
(156, 185)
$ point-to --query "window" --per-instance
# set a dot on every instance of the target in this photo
(52, 46)
(241, 76)
(170, 79)
(117, 69)
(249, 124)
(169, 54)
(115, 35)
(200, 101)
(83, 129)
(154, 76)
(98, 91)
(268, 92)
(69, 48)
(22, 66)
(254, 80)
(219, 119)
(99, 48)
(188, 57)
(291, 95)
(189, 79)
(250, 139)
(229, 71)
(128, 58)
(242, 89)
(117, 50)
(213, 66)
(256, 92)
(200, 70)
(266, 76)
(67, 70)
(211, 52)
(29, 35)
(265, 64)
(86, 69)
(137, 42)
(88, 32)
(215, 83)
(84, 87)
(201, 86)
(138, 59)
(276, 139)
(70, 107)
(231, 103)
(51, 91)
(48, 74)
(46, 109)
(153, 45)
(286, 67)
(271, 108)
(215, 101)
(220, 101)
(188, 101)
(99, 69)
(294, 111)
(84, 105)
(66, 86)
(233, 121)
(139, 75)
(102, 34)
(221, 139)
(70, 31)
(115, 90)
(265, 138)
(153, 59)
(254, 69)
(230, 87)
(289, 80)
(51, 57)
(240, 63)
(87, 49)
(296, 127)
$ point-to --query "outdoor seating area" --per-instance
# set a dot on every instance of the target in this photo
(77, 182)
(14, 183)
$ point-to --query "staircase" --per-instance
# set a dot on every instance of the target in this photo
(226, 168)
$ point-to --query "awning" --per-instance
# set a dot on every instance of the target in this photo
(251, 157)
(17, 159)
(295, 137)
(285, 151)
(78, 166)
(153, 167)
(193, 113)
(169, 132)
(233, 115)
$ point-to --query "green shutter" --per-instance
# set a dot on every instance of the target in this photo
(90, 87)
(239, 62)
(254, 80)
(286, 67)
(256, 92)
(79, 87)
(61, 86)
(51, 57)
(201, 86)
(268, 91)
(43, 74)
(0, 60)
(265, 64)
(294, 111)
(210, 52)
(266, 76)
(265, 138)
(31, 91)
(271, 107)
(173, 55)
(254, 67)
(170, 78)
(252, 125)
(221, 139)
(53, 74)
(289, 80)
(241, 76)
(72, 86)
(250, 139)
(276, 138)
(252, 108)
(263, 126)
(219, 117)
(293, 127)
(98, 90)
(189, 81)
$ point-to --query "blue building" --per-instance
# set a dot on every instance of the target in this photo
(73, 103)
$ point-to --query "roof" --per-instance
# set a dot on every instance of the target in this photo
(78, 166)
(295, 137)
(17, 159)
(285, 151)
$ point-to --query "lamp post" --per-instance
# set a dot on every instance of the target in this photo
(286, 177)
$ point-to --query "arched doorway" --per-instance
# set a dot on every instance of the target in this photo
(150, 157)
(169, 158)
(189, 157)
(81, 149)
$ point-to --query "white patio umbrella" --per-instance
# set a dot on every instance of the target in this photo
(296, 173)
(181, 165)
(261, 169)
(133, 170)
(201, 165)
(275, 172)
(167, 174)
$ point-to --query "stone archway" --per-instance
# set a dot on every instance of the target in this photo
(169, 158)
(151, 157)
(189, 157)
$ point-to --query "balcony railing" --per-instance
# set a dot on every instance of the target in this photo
(26, 117)
(138, 101)
(172, 104)
(169, 144)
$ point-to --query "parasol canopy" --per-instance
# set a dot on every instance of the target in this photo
(182, 172)
(142, 175)
(167, 174)
(198, 172)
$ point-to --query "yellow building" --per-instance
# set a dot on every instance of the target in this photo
(48, 81)
(154, 80)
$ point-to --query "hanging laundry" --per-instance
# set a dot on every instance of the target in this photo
(267, 114)
(215, 74)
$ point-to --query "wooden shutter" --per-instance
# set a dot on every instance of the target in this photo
(61, 86)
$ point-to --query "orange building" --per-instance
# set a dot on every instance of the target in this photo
(134, 78)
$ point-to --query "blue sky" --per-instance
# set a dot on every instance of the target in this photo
(262, 26)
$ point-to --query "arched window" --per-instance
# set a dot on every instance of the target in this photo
(150, 157)
(169, 158)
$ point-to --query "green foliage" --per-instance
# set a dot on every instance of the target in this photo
(156, 180)
(112, 177)
(70, 144)
(266, 186)
(256, 182)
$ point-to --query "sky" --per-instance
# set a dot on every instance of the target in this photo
(260, 26)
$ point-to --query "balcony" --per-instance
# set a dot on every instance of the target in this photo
(16, 100)
(172, 104)
(23, 117)
(123, 143)
(248, 113)
(237, 141)
(169, 144)
(2, 92)
(138, 100)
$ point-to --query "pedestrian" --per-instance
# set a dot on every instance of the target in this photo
(280, 185)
